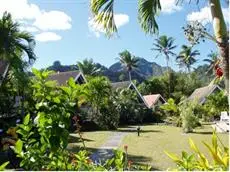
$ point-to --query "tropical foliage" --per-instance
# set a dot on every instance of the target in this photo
(198, 161)
(187, 57)
(88, 67)
(128, 61)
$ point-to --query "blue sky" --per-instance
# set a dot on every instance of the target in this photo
(62, 30)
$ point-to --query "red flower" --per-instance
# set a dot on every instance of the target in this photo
(126, 147)
(219, 72)
(129, 164)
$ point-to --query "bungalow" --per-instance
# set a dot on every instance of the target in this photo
(200, 94)
(130, 85)
(154, 100)
(63, 77)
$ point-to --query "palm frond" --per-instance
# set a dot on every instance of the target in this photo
(104, 15)
(147, 11)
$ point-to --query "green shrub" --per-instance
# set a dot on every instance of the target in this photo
(199, 162)
(188, 118)
(170, 107)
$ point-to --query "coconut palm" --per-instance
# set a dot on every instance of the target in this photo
(88, 67)
(213, 61)
(128, 61)
(186, 57)
(14, 44)
(164, 46)
(103, 13)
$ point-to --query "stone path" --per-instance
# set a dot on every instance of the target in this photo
(106, 150)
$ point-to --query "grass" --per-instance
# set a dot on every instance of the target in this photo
(92, 140)
(149, 147)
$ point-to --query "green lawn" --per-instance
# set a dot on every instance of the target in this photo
(150, 145)
(92, 140)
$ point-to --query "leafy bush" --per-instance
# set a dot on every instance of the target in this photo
(170, 107)
(103, 111)
(130, 109)
(189, 120)
(199, 162)
(215, 104)
(44, 134)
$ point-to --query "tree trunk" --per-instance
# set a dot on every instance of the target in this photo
(167, 62)
(221, 35)
(5, 71)
(130, 79)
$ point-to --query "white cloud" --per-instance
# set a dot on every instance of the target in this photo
(29, 29)
(53, 20)
(120, 20)
(204, 15)
(47, 36)
(169, 6)
(34, 19)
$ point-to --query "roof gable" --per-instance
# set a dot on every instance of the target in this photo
(152, 99)
(129, 85)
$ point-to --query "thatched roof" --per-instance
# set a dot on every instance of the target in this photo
(200, 94)
(63, 77)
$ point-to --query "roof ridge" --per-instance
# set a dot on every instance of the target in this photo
(57, 73)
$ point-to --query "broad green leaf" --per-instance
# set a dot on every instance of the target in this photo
(214, 154)
(51, 84)
(71, 82)
(56, 100)
(36, 73)
(66, 90)
(18, 146)
(3, 166)
(173, 156)
(193, 146)
(26, 119)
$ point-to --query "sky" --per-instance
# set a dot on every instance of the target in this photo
(64, 30)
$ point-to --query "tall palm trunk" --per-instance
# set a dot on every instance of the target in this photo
(5, 73)
(130, 78)
(221, 34)
(167, 63)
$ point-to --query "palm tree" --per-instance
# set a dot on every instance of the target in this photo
(186, 57)
(88, 67)
(14, 44)
(165, 45)
(213, 61)
(103, 12)
(129, 61)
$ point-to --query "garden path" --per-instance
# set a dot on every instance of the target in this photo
(106, 150)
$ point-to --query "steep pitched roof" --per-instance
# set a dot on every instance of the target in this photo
(151, 100)
(200, 94)
(130, 85)
(63, 77)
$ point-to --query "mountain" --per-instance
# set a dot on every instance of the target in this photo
(144, 69)
(117, 72)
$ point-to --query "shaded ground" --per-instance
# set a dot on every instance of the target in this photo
(152, 144)
(149, 147)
